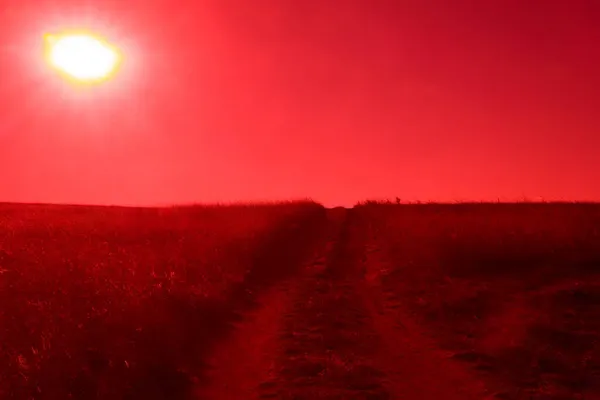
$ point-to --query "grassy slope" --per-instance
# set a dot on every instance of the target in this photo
(123, 302)
(513, 290)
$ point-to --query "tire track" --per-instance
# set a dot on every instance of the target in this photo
(417, 367)
(329, 333)
(239, 367)
(328, 341)
(244, 365)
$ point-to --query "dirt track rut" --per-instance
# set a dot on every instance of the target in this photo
(329, 333)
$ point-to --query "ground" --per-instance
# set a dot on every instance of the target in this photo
(295, 301)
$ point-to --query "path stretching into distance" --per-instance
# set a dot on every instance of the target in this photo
(329, 332)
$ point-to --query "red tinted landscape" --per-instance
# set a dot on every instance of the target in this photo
(298, 301)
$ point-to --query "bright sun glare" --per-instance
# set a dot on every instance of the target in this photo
(82, 57)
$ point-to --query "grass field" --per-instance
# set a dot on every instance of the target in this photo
(103, 302)
(511, 289)
(131, 303)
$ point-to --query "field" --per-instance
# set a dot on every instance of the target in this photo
(511, 290)
(116, 302)
(295, 301)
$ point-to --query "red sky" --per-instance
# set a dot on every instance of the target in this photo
(335, 100)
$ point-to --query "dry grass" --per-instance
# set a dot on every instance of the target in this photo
(512, 289)
(116, 303)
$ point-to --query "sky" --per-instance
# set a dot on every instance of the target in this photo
(339, 101)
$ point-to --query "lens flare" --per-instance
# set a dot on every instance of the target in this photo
(82, 57)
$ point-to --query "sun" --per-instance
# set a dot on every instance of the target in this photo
(82, 57)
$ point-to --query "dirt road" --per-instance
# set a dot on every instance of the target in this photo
(330, 332)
